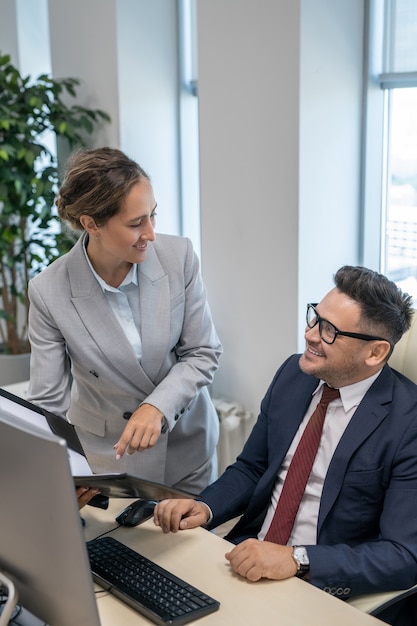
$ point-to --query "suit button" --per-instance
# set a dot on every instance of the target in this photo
(176, 417)
(127, 415)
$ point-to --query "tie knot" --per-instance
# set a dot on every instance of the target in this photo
(329, 394)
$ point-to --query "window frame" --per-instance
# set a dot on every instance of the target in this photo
(378, 87)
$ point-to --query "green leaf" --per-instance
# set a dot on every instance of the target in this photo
(29, 158)
(18, 186)
(36, 102)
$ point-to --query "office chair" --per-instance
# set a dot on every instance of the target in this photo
(404, 360)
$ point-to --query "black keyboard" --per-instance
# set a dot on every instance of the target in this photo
(146, 587)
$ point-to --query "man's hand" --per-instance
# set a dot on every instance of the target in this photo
(84, 495)
(254, 559)
(141, 432)
(174, 515)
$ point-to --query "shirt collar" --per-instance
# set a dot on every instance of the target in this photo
(351, 395)
(130, 278)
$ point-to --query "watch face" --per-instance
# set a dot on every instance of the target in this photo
(300, 554)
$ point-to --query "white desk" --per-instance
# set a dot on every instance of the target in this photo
(197, 556)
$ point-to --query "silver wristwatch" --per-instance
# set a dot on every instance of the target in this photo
(300, 556)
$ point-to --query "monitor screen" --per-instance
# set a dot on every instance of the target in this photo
(42, 546)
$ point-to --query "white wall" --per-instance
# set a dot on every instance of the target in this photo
(83, 45)
(8, 30)
(249, 107)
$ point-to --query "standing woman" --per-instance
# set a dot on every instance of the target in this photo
(122, 340)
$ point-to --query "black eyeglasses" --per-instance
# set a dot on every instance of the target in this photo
(329, 332)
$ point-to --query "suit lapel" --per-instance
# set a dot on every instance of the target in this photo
(291, 414)
(370, 413)
(154, 312)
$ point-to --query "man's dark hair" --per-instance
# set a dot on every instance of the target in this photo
(386, 310)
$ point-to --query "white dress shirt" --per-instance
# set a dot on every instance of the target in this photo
(338, 416)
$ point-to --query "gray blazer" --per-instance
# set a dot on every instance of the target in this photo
(83, 367)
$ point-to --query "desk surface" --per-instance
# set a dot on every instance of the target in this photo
(197, 556)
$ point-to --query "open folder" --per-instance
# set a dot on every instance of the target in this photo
(111, 485)
(127, 486)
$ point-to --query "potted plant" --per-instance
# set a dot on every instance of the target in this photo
(33, 113)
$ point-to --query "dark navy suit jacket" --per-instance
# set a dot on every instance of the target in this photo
(367, 525)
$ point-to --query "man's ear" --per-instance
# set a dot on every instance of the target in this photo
(89, 225)
(378, 353)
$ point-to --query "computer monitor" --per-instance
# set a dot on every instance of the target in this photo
(42, 547)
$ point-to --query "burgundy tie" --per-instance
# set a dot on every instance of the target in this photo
(299, 471)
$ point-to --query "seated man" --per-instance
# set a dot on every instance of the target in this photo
(352, 528)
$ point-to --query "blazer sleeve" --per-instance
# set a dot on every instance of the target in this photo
(50, 377)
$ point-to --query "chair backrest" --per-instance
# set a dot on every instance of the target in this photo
(404, 356)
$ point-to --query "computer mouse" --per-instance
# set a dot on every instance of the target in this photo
(136, 512)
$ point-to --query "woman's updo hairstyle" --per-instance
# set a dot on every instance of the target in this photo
(96, 183)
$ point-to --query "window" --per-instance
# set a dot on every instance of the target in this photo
(189, 147)
(391, 140)
(399, 259)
